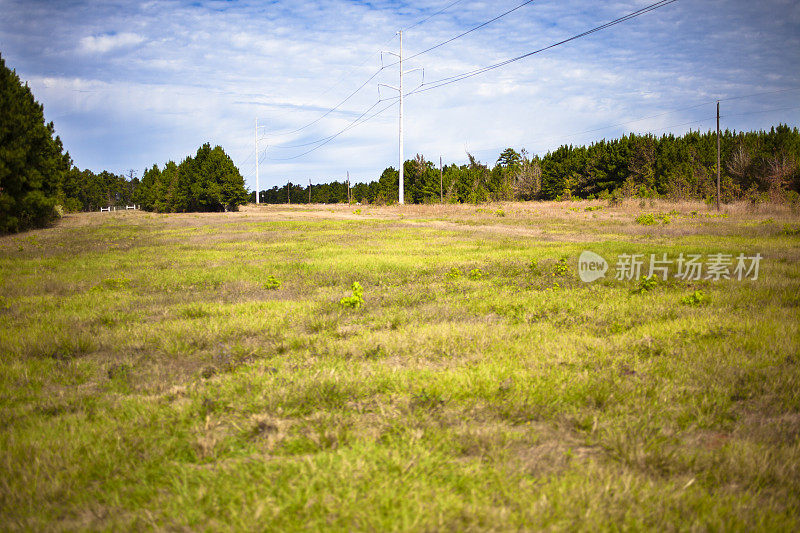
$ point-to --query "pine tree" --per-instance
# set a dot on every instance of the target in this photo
(32, 162)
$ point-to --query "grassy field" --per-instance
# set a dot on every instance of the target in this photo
(198, 371)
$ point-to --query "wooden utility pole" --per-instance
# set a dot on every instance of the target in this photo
(441, 189)
(349, 200)
(288, 193)
(309, 190)
(718, 158)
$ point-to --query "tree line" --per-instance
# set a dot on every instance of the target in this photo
(760, 166)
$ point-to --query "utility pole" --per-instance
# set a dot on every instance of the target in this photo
(256, 138)
(441, 189)
(402, 195)
(349, 201)
(309, 190)
(288, 193)
(718, 158)
(399, 89)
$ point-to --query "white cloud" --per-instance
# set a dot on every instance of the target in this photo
(100, 44)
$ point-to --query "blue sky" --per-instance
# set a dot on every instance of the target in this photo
(130, 84)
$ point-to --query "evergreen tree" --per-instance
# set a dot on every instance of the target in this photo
(32, 161)
(209, 181)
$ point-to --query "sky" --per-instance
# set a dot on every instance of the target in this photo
(131, 84)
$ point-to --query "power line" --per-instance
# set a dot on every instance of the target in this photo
(432, 85)
(358, 121)
(448, 41)
(321, 139)
(331, 110)
(460, 35)
(453, 79)
(342, 102)
(423, 21)
(383, 67)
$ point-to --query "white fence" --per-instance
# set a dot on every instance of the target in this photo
(114, 208)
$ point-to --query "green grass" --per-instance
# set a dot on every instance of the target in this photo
(199, 372)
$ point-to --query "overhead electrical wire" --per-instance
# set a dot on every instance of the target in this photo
(372, 77)
(331, 110)
(317, 141)
(458, 77)
(479, 26)
(423, 21)
(452, 79)
(358, 121)
(384, 67)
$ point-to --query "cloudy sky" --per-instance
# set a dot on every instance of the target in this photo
(129, 84)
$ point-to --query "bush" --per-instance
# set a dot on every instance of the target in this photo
(272, 283)
(646, 220)
(356, 300)
(561, 268)
(454, 273)
(475, 274)
(696, 298)
(646, 284)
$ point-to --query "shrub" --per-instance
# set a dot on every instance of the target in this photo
(561, 268)
(646, 284)
(454, 273)
(646, 220)
(356, 300)
(475, 274)
(696, 298)
(272, 283)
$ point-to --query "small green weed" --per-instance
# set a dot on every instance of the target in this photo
(455, 273)
(646, 284)
(500, 213)
(356, 300)
(696, 298)
(561, 268)
(475, 274)
(650, 219)
(272, 283)
(427, 400)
